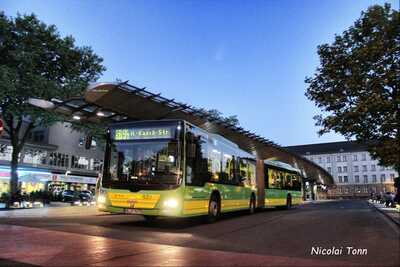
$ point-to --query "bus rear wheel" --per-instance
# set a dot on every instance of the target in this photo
(213, 209)
(288, 202)
(252, 208)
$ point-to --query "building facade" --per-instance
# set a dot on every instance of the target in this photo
(355, 173)
(52, 158)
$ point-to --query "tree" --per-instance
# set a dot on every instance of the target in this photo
(218, 115)
(35, 61)
(357, 84)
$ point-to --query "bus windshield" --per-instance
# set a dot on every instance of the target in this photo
(145, 163)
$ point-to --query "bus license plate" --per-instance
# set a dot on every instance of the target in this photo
(132, 211)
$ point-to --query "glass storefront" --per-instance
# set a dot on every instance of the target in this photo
(31, 180)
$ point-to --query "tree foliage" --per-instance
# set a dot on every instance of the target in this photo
(35, 61)
(357, 84)
(216, 114)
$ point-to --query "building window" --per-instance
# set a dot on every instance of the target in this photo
(344, 158)
(355, 157)
(59, 159)
(38, 136)
(96, 164)
(357, 179)
(381, 168)
(81, 141)
(320, 160)
(328, 159)
(392, 177)
(365, 179)
(344, 168)
(373, 167)
(338, 159)
(363, 156)
(383, 178)
(364, 168)
(374, 178)
(340, 179)
(329, 169)
(345, 179)
(339, 169)
(311, 158)
(355, 168)
(79, 162)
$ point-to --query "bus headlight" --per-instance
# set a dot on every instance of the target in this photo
(171, 203)
(101, 199)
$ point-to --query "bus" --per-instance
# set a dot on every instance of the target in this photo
(173, 168)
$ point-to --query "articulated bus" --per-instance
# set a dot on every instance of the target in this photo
(173, 168)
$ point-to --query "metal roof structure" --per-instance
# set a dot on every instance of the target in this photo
(329, 148)
(115, 102)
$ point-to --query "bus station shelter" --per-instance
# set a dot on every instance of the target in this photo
(115, 102)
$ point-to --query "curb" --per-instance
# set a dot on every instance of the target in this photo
(384, 213)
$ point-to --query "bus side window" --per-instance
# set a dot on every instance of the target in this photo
(296, 182)
(242, 175)
(274, 179)
(196, 160)
(251, 173)
(282, 181)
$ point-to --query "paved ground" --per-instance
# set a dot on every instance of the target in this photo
(392, 213)
(273, 237)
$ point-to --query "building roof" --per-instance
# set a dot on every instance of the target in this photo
(115, 102)
(328, 148)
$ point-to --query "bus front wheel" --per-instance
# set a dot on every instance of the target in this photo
(213, 209)
(150, 218)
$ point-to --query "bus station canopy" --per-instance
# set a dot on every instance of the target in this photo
(114, 102)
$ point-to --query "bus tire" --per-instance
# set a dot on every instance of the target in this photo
(150, 218)
(288, 202)
(252, 207)
(214, 208)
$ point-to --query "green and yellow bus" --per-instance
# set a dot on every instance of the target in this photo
(173, 168)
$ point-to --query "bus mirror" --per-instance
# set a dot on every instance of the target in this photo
(88, 141)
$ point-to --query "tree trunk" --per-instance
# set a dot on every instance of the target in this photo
(14, 173)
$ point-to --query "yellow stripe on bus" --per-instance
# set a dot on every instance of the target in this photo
(234, 204)
(281, 201)
(195, 206)
(201, 206)
(275, 201)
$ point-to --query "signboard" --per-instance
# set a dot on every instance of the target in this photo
(73, 179)
(124, 134)
(1, 127)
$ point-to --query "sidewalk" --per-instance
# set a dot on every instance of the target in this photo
(34, 246)
(60, 211)
(391, 213)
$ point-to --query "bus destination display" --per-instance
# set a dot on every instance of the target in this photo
(142, 133)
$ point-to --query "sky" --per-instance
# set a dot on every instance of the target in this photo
(244, 58)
